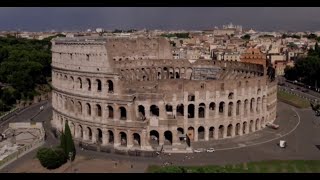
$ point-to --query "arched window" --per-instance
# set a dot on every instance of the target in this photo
(123, 113)
(154, 110)
(88, 109)
(89, 84)
(99, 85)
(110, 86)
(98, 110)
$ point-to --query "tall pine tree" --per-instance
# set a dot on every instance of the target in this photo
(69, 144)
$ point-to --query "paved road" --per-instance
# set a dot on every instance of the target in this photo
(301, 141)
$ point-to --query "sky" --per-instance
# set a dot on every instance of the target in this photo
(166, 18)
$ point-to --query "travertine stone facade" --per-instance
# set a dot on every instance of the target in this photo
(131, 93)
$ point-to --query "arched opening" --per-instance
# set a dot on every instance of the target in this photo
(237, 129)
(177, 75)
(190, 111)
(98, 110)
(251, 104)
(72, 82)
(230, 96)
(79, 107)
(123, 113)
(246, 103)
(168, 138)
(123, 139)
(188, 73)
(89, 133)
(110, 86)
(99, 86)
(99, 140)
(180, 110)
(221, 131)
(238, 108)
(257, 124)
(88, 109)
(191, 97)
(89, 84)
(141, 112)
(211, 133)
(81, 131)
(111, 137)
(154, 110)
(110, 109)
(169, 110)
(244, 128)
(221, 107)
(154, 138)
(212, 106)
(229, 131)
(201, 133)
(191, 133)
(80, 83)
(230, 109)
(136, 139)
(258, 104)
(262, 122)
(201, 110)
(251, 126)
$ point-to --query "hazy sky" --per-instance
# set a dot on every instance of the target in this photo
(81, 18)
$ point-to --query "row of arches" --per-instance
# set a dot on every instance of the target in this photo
(84, 83)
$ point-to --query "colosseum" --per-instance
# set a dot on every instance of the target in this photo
(130, 94)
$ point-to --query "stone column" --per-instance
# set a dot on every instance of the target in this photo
(129, 139)
(195, 135)
(216, 133)
(196, 110)
(175, 138)
(116, 113)
(94, 135)
(116, 137)
(185, 111)
(234, 110)
(233, 133)
(206, 111)
(105, 137)
(216, 111)
(206, 134)
(225, 111)
(161, 138)
(85, 133)
(147, 111)
(174, 110)
(225, 131)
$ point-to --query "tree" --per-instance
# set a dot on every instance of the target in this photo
(69, 144)
(63, 142)
(51, 158)
(246, 37)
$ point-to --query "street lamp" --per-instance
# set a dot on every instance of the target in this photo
(70, 157)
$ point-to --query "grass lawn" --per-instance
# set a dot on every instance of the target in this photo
(293, 99)
(275, 166)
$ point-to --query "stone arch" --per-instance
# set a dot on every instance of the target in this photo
(110, 110)
(80, 82)
(123, 113)
(98, 110)
(221, 107)
(141, 111)
(180, 110)
(244, 127)
(177, 73)
(191, 133)
(79, 107)
(72, 82)
(191, 111)
(168, 137)
(110, 86)
(154, 110)
(111, 137)
(188, 73)
(201, 110)
(231, 95)
(237, 133)
(229, 130)
(99, 85)
(211, 132)
(99, 138)
(259, 91)
(251, 126)
(258, 104)
(81, 131)
(257, 127)
(169, 109)
(246, 104)
(230, 109)
(238, 107)
(123, 139)
(221, 131)
(89, 133)
(252, 104)
(154, 137)
(136, 139)
(171, 75)
(88, 108)
(201, 132)
(89, 84)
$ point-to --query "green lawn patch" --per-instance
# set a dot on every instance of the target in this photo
(276, 166)
(293, 99)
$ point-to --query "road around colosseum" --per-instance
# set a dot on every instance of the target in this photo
(299, 127)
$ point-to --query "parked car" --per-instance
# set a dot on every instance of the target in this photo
(210, 150)
(196, 151)
(271, 125)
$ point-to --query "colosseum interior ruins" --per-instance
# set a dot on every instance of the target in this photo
(129, 93)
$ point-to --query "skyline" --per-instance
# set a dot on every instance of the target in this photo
(165, 18)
